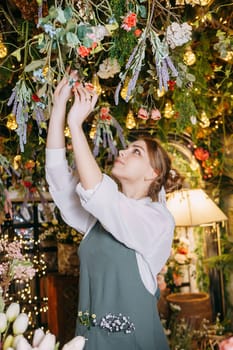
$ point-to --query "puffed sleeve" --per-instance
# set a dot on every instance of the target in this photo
(142, 225)
(62, 181)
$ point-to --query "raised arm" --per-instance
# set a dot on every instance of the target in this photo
(89, 172)
(55, 136)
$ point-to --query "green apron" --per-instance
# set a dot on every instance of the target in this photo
(111, 288)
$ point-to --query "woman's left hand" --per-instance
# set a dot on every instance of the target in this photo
(85, 99)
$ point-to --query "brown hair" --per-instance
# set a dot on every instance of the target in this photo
(161, 163)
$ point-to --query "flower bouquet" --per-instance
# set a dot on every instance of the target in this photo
(13, 325)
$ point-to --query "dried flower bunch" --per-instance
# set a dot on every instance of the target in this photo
(13, 265)
(171, 275)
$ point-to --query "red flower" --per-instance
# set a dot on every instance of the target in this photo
(35, 98)
(27, 184)
(201, 154)
(104, 113)
(171, 84)
(83, 51)
(129, 21)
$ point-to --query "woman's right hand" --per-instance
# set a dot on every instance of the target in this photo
(63, 91)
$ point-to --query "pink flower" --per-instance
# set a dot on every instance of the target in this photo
(177, 279)
(161, 282)
(226, 344)
(143, 114)
(155, 114)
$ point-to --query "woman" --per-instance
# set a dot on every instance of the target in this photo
(127, 233)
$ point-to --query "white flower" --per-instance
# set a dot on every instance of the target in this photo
(108, 68)
(76, 343)
(37, 337)
(3, 322)
(12, 311)
(20, 324)
(22, 344)
(178, 34)
(48, 342)
(180, 258)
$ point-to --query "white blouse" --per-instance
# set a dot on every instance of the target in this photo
(142, 225)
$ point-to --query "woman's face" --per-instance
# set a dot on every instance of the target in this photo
(133, 163)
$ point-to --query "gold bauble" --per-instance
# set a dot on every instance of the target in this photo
(67, 132)
(130, 121)
(96, 84)
(168, 110)
(124, 89)
(3, 50)
(189, 57)
(11, 122)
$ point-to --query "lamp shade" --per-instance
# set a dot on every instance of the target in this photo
(194, 208)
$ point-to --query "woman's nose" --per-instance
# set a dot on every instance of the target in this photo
(122, 153)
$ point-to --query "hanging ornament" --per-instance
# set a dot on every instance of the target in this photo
(205, 122)
(92, 131)
(130, 121)
(11, 122)
(160, 93)
(3, 48)
(67, 132)
(96, 84)
(124, 90)
(168, 111)
(189, 57)
(16, 161)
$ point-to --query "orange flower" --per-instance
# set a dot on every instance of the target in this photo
(137, 32)
(83, 51)
(29, 164)
(201, 153)
(129, 21)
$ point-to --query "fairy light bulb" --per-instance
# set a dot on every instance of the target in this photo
(130, 120)
(11, 122)
(96, 84)
(3, 48)
(189, 57)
